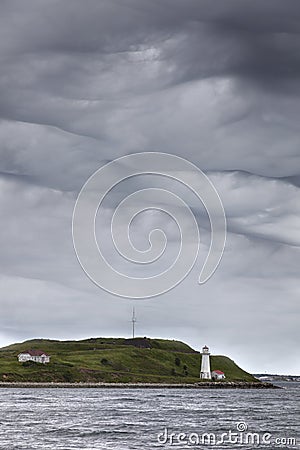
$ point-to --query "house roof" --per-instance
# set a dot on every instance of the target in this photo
(34, 352)
(218, 372)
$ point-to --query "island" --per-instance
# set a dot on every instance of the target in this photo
(115, 362)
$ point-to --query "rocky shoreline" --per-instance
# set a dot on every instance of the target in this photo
(201, 385)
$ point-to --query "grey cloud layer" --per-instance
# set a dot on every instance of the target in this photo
(129, 74)
(82, 83)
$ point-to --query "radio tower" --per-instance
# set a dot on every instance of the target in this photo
(133, 320)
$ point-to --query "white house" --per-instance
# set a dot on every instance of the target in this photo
(217, 375)
(34, 355)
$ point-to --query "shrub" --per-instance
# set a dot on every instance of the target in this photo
(177, 361)
(28, 363)
(68, 377)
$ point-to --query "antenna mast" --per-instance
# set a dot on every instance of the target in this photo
(133, 320)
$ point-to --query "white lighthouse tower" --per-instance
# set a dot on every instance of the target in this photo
(205, 372)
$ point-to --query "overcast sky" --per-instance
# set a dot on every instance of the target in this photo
(216, 82)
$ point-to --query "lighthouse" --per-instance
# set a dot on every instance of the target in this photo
(205, 373)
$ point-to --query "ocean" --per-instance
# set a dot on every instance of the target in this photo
(121, 419)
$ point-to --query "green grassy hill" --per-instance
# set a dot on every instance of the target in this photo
(113, 360)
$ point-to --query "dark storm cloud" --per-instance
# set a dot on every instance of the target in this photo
(127, 74)
(216, 82)
(248, 38)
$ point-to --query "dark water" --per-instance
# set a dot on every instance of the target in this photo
(119, 419)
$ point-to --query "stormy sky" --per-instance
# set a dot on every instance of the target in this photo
(215, 82)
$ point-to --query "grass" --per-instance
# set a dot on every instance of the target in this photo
(111, 360)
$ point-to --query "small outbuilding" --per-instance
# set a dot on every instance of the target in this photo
(217, 375)
(34, 355)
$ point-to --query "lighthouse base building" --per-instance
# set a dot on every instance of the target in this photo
(205, 372)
